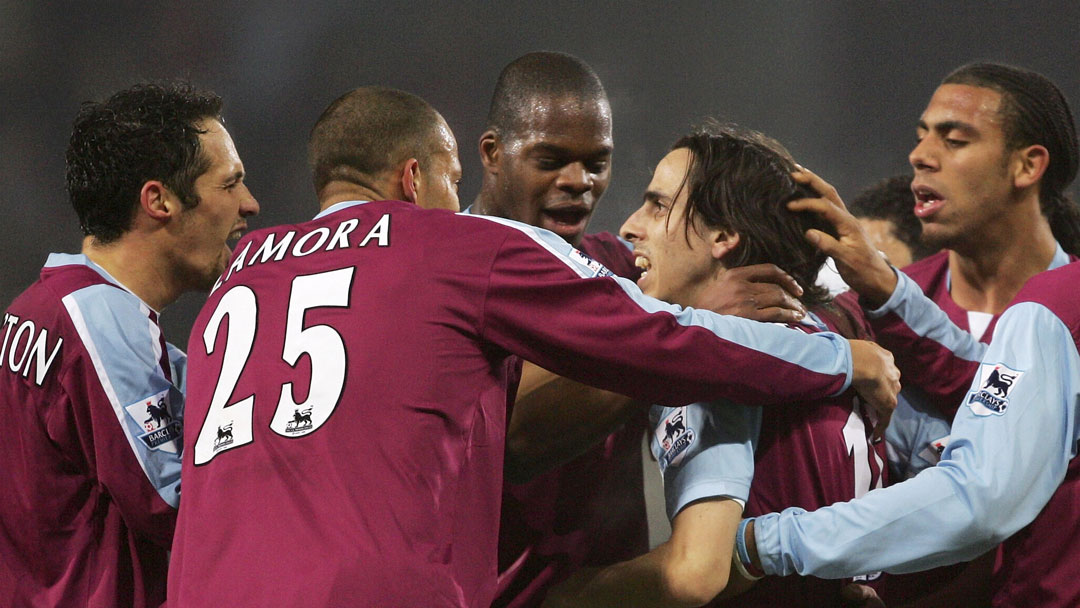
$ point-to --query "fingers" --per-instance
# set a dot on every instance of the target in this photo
(855, 594)
(876, 379)
(881, 426)
(771, 303)
(776, 315)
(768, 273)
(827, 244)
(822, 187)
(830, 211)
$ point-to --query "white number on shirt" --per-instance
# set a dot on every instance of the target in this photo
(229, 426)
(855, 437)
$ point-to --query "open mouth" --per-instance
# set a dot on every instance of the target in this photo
(567, 216)
(927, 201)
(643, 263)
(234, 236)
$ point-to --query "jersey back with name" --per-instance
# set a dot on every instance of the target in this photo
(323, 366)
(347, 392)
(83, 514)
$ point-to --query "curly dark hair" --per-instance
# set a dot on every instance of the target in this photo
(147, 132)
(740, 180)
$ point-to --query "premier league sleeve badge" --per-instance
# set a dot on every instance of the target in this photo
(159, 430)
(991, 395)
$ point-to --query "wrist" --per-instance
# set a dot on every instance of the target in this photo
(743, 558)
(883, 286)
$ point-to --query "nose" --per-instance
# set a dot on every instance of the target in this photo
(249, 206)
(632, 229)
(575, 179)
(924, 157)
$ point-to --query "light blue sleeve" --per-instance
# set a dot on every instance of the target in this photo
(926, 319)
(124, 345)
(916, 435)
(825, 353)
(704, 451)
(1012, 441)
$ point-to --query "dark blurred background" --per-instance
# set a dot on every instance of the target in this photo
(841, 84)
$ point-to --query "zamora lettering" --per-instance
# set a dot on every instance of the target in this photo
(323, 238)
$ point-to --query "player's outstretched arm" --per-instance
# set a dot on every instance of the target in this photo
(1009, 452)
(935, 355)
(555, 419)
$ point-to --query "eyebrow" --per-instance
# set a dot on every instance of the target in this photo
(544, 147)
(948, 125)
(654, 195)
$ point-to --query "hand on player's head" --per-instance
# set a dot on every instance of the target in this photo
(877, 380)
(860, 264)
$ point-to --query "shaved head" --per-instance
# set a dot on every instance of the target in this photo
(535, 79)
(370, 130)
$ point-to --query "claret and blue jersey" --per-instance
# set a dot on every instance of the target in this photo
(347, 397)
(1009, 474)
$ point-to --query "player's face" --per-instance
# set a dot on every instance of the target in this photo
(203, 231)
(883, 237)
(439, 180)
(554, 172)
(961, 165)
(678, 263)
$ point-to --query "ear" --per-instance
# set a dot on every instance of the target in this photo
(157, 202)
(410, 180)
(722, 242)
(1032, 164)
(489, 151)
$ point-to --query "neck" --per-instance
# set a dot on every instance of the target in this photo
(988, 274)
(134, 264)
(482, 203)
(340, 191)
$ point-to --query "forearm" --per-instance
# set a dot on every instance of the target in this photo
(998, 472)
(690, 569)
(931, 352)
(638, 582)
(556, 419)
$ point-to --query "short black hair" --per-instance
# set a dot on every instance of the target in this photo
(367, 131)
(1035, 111)
(146, 132)
(741, 181)
(891, 199)
(543, 75)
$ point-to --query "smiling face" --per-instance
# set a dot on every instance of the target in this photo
(961, 165)
(552, 172)
(202, 231)
(677, 262)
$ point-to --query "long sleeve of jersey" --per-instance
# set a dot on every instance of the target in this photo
(931, 352)
(601, 330)
(135, 407)
(1012, 441)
